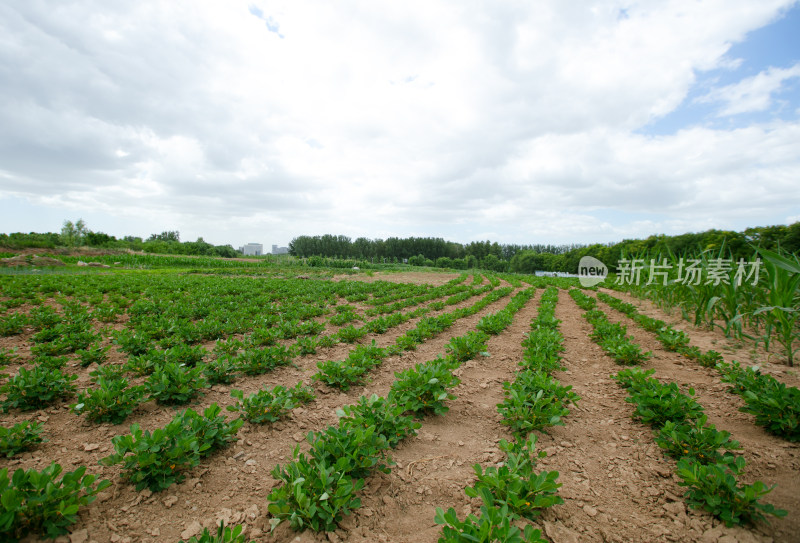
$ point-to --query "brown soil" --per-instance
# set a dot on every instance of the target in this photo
(617, 486)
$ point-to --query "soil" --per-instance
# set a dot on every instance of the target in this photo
(617, 485)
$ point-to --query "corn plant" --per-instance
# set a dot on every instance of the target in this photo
(783, 293)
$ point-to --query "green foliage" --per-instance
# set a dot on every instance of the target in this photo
(225, 534)
(351, 334)
(673, 340)
(534, 401)
(12, 325)
(515, 483)
(187, 355)
(36, 388)
(375, 411)
(21, 437)
(657, 403)
(467, 347)
(8, 356)
(172, 384)
(493, 524)
(270, 405)
(352, 450)
(221, 370)
(39, 502)
(93, 354)
(697, 440)
(424, 388)
(132, 343)
(307, 345)
(112, 401)
(341, 374)
(313, 494)
(775, 406)
(110, 373)
(344, 314)
(494, 323)
(713, 487)
(260, 361)
(157, 460)
(624, 352)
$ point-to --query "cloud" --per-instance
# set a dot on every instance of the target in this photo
(752, 94)
(420, 118)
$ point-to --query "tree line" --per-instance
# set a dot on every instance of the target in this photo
(77, 234)
(488, 255)
(438, 252)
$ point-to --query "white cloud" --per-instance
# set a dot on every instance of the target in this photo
(752, 94)
(377, 119)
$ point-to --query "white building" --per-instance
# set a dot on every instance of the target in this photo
(252, 249)
(280, 250)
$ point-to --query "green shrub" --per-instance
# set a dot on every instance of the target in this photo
(112, 401)
(468, 346)
(12, 325)
(157, 460)
(172, 384)
(493, 524)
(697, 440)
(713, 487)
(93, 354)
(260, 361)
(515, 483)
(341, 374)
(424, 388)
(351, 334)
(658, 403)
(313, 494)
(270, 405)
(527, 409)
(221, 371)
(37, 502)
(494, 323)
(21, 437)
(36, 388)
(375, 411)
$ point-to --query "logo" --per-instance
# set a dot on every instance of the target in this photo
(591, 271)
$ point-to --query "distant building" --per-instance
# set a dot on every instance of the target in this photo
(253, 249)
(280, 250)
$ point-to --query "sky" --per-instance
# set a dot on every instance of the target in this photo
(515, 121)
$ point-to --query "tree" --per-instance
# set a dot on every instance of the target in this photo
(72, 235)
(172, 235)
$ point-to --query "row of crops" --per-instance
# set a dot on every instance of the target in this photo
(160, 339)
(706, 463)
(757, 300)
(179, 334)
